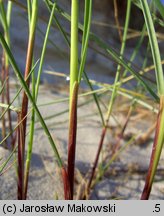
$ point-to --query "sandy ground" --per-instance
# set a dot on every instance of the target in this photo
(125, 177)
(123, 180)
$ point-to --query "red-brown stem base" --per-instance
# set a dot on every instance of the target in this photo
(97, 158)
(150, 176)
(72, 139)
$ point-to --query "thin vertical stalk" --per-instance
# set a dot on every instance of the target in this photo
(32, 124)
(88, 22)
(73, 94)
(26, 89)
(30, 143)
(72, 138)
(159, 134)
(74, 47)
(114, 55)
(154, 46)
(85, 39)
(75, 79)
(3, 99)
(117, 20)
(8, 18)
(156, 152)
(22, 129)
(35, 95)
(29, 10)
(114, 93)
(5, 19)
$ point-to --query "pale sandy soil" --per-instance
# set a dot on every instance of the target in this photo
(123, 180)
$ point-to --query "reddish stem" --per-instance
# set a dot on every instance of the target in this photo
(72, 139)
(9, 111)
(97, 157)
(22, 129)
(3, 77)
(20, 162)
(67, 194)
(121, 135)
(149, 179)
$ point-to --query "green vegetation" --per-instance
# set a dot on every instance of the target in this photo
(132, 87)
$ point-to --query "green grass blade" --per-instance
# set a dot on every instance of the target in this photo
(159, 135)
(85, 75)
(160, 7)
(18, 92)
(44, 49)
(156, 152)
(74, 47)
(3, 17)
(24, 85)
(113, 96)
(85, 39)
(113, 54)
(35, 95)
(8, 159)
(154, 46)
(73, 94)
(9, 10)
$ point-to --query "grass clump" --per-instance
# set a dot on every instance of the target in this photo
(133, 87)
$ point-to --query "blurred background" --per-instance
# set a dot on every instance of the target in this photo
(107, 15)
